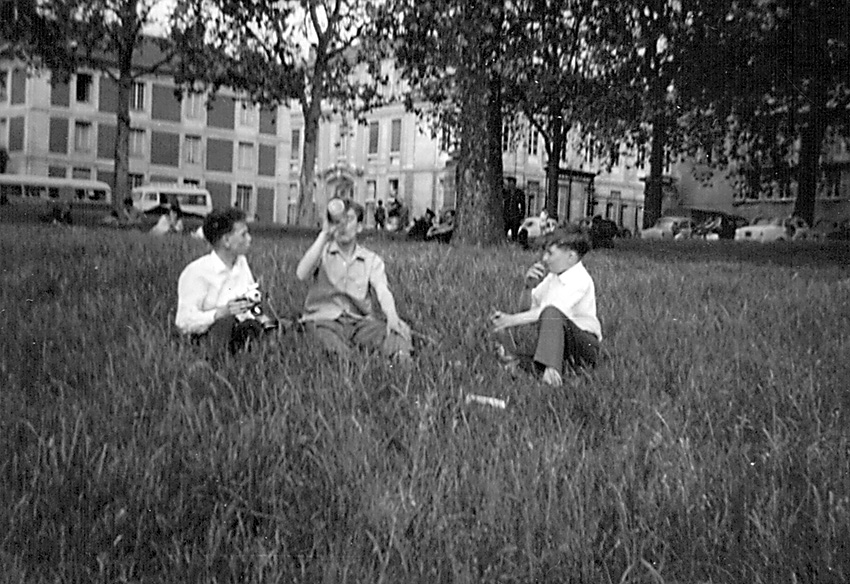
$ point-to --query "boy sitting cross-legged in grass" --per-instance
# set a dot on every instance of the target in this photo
(211, 293)
(343, 277)
(561, 298)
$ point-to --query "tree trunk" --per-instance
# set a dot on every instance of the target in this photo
(553, 165)
(479, 185)
(307, 211)
(811, 134)
(121, 187)
(654, 190)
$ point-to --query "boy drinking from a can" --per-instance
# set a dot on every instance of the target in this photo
(560, 297)
(344, 276)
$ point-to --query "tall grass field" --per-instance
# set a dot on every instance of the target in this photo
(710, 445)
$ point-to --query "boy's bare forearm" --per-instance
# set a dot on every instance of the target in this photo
(311, 257)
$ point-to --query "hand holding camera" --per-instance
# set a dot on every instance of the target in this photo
(250, 300)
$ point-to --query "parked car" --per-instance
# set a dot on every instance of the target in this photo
(669, 228)
(532, 228)
(830, 230)
(767, 229)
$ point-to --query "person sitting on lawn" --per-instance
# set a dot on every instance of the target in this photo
(171, 221)
(343, 277)
(563, 304)
(211, 302)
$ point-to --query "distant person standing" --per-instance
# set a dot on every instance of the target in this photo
(380, 216)
(513, 208)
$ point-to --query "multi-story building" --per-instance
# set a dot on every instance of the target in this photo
(251, 156)
(233, 148)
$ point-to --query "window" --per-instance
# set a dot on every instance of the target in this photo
(342, 141)
(243, 197)
(137, 97)
(532, 141)
(191, 182)
(4, 129)
(506, 138)
(82, 136)
(393, 188)
(192, 150)
(295, 153)
(195, 106)
(246, 155)
(136, 180)
(373, 138)
(395, 136)
(447, 139)
(247, 113)
(137, 142)
(371, 190)
(84, 83)
(4, 85)
(641, 156)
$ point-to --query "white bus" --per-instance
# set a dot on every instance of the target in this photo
(35, 190)
(192, 200)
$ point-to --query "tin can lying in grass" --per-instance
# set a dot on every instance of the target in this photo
(485, 400)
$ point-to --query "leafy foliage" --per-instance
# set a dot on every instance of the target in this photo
(311, 52)
(105, 35)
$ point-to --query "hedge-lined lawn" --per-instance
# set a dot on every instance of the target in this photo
(711, 445)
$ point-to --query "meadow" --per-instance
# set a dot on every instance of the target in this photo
(711, 445)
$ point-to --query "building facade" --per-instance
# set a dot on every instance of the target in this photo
(232, 148)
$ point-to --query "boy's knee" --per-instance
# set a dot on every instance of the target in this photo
(552, 313)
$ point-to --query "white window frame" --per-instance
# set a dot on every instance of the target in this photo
(138, 142)
(194, 106)
(192, 149)
(82, 136)
(245, 155)
(137, 96)
(244, 198)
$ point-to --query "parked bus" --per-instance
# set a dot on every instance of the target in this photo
(192, 200)
(27, 197)
(28, 189)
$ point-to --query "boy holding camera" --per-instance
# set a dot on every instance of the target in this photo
(344, 275)
(217, 294)
(560, 297)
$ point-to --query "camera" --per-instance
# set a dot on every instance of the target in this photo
(254, 296)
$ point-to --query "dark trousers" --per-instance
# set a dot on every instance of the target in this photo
(228, 334)
(342, 335)
(560, 344)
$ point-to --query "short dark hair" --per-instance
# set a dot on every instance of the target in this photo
(220, 222)
(566, 238)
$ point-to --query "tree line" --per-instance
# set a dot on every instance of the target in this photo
(757, 87)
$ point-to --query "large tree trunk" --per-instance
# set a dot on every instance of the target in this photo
(654, 190)
(121, 165)
(307, 211)
(811, 134)
(553, 165)
(121, 188)
(479, 185)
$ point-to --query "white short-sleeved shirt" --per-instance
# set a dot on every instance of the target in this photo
(573, 293)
